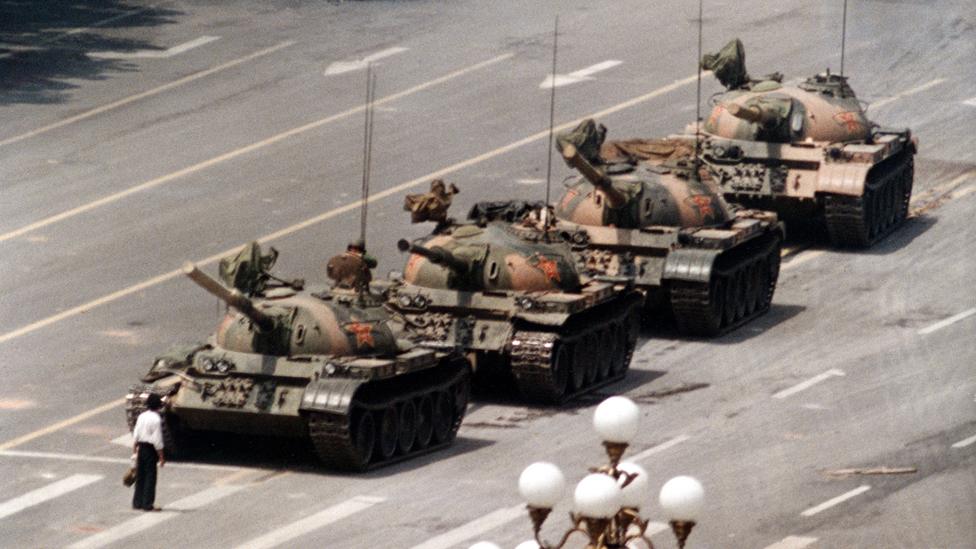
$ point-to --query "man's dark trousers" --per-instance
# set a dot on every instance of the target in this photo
(145, 490)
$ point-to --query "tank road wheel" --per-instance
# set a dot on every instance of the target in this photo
(425, 422)
(408, 427)
(618, 350)
(764, 292)
(741, 292)
(388, 431)
(592, 345)
(729, 302)
(581, 356)
(443, 417)
(754, 287)
(606, 343)
(905, 189)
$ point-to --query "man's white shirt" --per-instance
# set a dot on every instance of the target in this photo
(149, 428)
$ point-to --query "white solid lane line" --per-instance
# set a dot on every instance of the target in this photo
(970, 102)
(476, 527)
(154, 54)
(581, 75)
(659, 448)
(340, 67)
(46, 493)
(808, 383)
(965, 442)
(312, 523)
(951, 320)
(146, 521)
(145, 94)
(792, 542)
(104, 459)
(931, 83)
(834, 501)
(243, 150)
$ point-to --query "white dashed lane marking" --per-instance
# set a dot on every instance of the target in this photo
(659, 448)
(311, 523)
(808, 383)
(146, 521)
(835, 501)
(476, 527)
(581, 75)
(965, 442)
(947, 322)
(792, 542)
(340, 67)
(154, 54)
(49, 492)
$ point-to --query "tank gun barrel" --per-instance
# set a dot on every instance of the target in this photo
(233, 298)
(574, 159)
(755, 114)
(435, 255)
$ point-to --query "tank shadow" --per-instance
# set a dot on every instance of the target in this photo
(294, 455)
(902, 236)
(38, 58)
(665, 329)
(502, 391)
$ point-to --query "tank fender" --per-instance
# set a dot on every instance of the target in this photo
(690, 264)
(843, 177)
(330, 395)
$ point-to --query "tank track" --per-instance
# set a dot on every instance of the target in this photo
(334, 436)
(861, 221)
(552, 367)
(740, 289)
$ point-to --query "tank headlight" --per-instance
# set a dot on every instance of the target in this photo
(224, 366)
(330, 369)
(404, 300)
(420, 301)
(208, 364)
(159, 364)
(526, 303)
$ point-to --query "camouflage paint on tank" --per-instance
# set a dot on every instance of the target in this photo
(496, 258)
(655, 195)
(794, 114)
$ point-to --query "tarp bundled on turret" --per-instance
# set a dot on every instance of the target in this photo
(248, 270)
(728, 65)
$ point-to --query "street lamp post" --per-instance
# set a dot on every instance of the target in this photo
(607, 501)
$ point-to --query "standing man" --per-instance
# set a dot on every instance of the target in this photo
(351, 270)
(148, 448)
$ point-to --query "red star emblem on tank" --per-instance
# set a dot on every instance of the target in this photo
(363, 331)
(703, 203)
(850, 120)
(548, 266)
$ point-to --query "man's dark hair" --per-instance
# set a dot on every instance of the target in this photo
(154, 402)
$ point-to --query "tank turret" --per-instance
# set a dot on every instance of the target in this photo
(232, 298)
(637, 196)
(436, 255)
(615, 198)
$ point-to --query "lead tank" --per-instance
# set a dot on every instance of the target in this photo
(639, 210)
(511, 296)
(331, 366)
(807, 150)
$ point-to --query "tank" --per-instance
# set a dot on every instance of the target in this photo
(331, 366)
(640, 210)
(807, 150)
(510, 295)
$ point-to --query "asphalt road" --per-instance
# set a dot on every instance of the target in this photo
(138, 135)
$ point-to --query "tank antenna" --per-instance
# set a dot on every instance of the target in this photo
(843, 38)
(552, 113)
(367, 149)
(698, 94)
